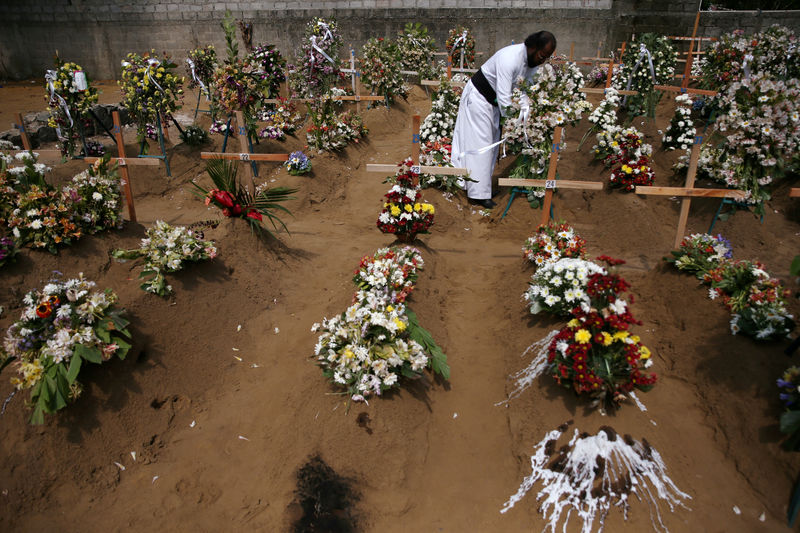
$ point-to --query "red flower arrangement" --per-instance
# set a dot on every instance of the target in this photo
(633, 160)
(595, 353)
(404, 213)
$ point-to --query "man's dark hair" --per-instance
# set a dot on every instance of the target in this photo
(540, 39)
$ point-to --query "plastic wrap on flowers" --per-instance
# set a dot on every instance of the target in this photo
(590, 474)
(404, 213)
(63, 326)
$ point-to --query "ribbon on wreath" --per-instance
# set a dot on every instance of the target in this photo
(320, 50)
(643, 51)
(50, 77)
(195, 78)
(524, 115)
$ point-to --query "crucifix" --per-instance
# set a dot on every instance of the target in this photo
(688, 191)
(551, 183)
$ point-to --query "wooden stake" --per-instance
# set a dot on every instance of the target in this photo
(244, 147)
(571, 50)
(551, 175)
(20, 125)
(689, 191)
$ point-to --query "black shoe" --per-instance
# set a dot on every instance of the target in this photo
(488, 203)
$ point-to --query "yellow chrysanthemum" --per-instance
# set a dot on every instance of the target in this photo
(408, 208)
(399, 323)
(583, 336)
(574, 323)
(417, 207)
(644, 352)
(621, 335)
(395, 210)
(348, 354)
(626, 169)
(607, 339)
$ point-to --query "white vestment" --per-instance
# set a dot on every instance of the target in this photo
(478, 121)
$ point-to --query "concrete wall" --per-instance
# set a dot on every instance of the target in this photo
(99, 33)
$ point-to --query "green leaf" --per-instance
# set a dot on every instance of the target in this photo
(794, 270)
(74, 368)
(438, 360)
(37, 417)
(92, 355)
(123, 347)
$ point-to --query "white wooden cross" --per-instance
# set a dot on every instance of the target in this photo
(550, 183)
(688, 191)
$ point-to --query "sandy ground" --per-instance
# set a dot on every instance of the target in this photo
(433, 456)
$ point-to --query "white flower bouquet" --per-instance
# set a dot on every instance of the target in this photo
(62, 326)
(166, 249)
(560, 287)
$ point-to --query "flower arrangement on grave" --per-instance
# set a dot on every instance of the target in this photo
(441, 121)
(404, 213)
(587, 475)
(95, 149)
(417, 47)
(8, 250)
(460, 43)
(193, 135)
(44, 217)
(439, 154)
(380, 69)
(761, 117)
(298, 164)
(789, 385)
(237, 87)
(281, 120)
(270, 67)
(164, 250)
(378, 340)
(734, 54)
(625, 152)
(317, 69)
(700, 253)
(599, 74)
(149, 87)
(554, 99)
(596, 354)
(95, 197)
(757, 301)
(236, 201)
(329, 129)
(681, 130)
(552, 242)
(561, 286)
(62, 326)
(636, 73)
(70, 96)
(604, 118)
(201, 63)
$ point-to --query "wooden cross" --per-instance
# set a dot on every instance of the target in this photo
(245, 154)
(689, 191)
(19, 124)
(551, 183)
(416, 168)
(123, 163)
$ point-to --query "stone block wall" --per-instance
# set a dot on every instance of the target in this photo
(99, 33)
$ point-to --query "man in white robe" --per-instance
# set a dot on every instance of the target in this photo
(483, 102)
